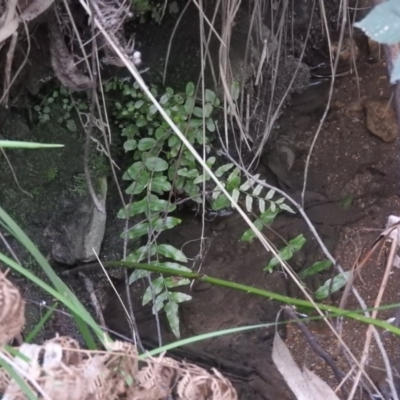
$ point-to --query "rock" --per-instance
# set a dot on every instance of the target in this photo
(77, 233)
(381, 119)
(280, 162)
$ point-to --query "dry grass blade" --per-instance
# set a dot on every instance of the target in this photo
(304, 384)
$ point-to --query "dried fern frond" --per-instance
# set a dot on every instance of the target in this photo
(60, 370)
(12, 310)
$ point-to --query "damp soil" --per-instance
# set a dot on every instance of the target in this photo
(357, 175)
(350, 167)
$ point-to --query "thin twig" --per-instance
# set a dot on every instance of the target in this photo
(14, 174)
(95, 302)
(328, 104)
(22, 64)
(315, 346)
(7, 69)
(9, 248)
(378, 301)
(89, 128)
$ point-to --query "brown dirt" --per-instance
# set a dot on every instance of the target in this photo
(348, 160)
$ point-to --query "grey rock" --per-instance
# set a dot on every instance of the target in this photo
(77, 233)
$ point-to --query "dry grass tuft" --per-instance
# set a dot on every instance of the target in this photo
(60, 369)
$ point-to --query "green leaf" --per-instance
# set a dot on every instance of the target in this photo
(191, 174)
(171, 252)
(137, 274)
(134, 171)
(261, 205)
(156, 164)
(160, 299)
(285, 207)
(235, 90)
(130, 144)
(164, 98)
(178, 297)
(137, 231)
(146, 143)
(156, 288)
(198, 112)
(249, 203)
(160, 184)
(156, 205)
(316, 268)
(163, 224)
(130, 130)
(139, 104)
(208, 108)
(221, 202)
(173, 141)
(172, 282)
(257, 190)
(235, 196)
(152, 109)
(137, 187)
(222, 169)
(189, 105)
(141, 121)
(297, 243)
(210, 161)
(134, 208)
(285, 254)
(190, 89)
(210, 124)
(180, 183)
(338, 282)
(382, 23)
(172, 171)
(191, 189)
(162, 133)
(268, 216)
(201, 179)
(171, 309)
(210, 96)
(233, 183)
(141, 253)
(195, 123)
(179, 99)
(71, 126)
(249, 235)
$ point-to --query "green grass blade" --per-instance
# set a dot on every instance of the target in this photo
(61, 292)
(338, 312)
(199, 338)
(85, 332)
(29, 393)
(14, 144)
(29, 338)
